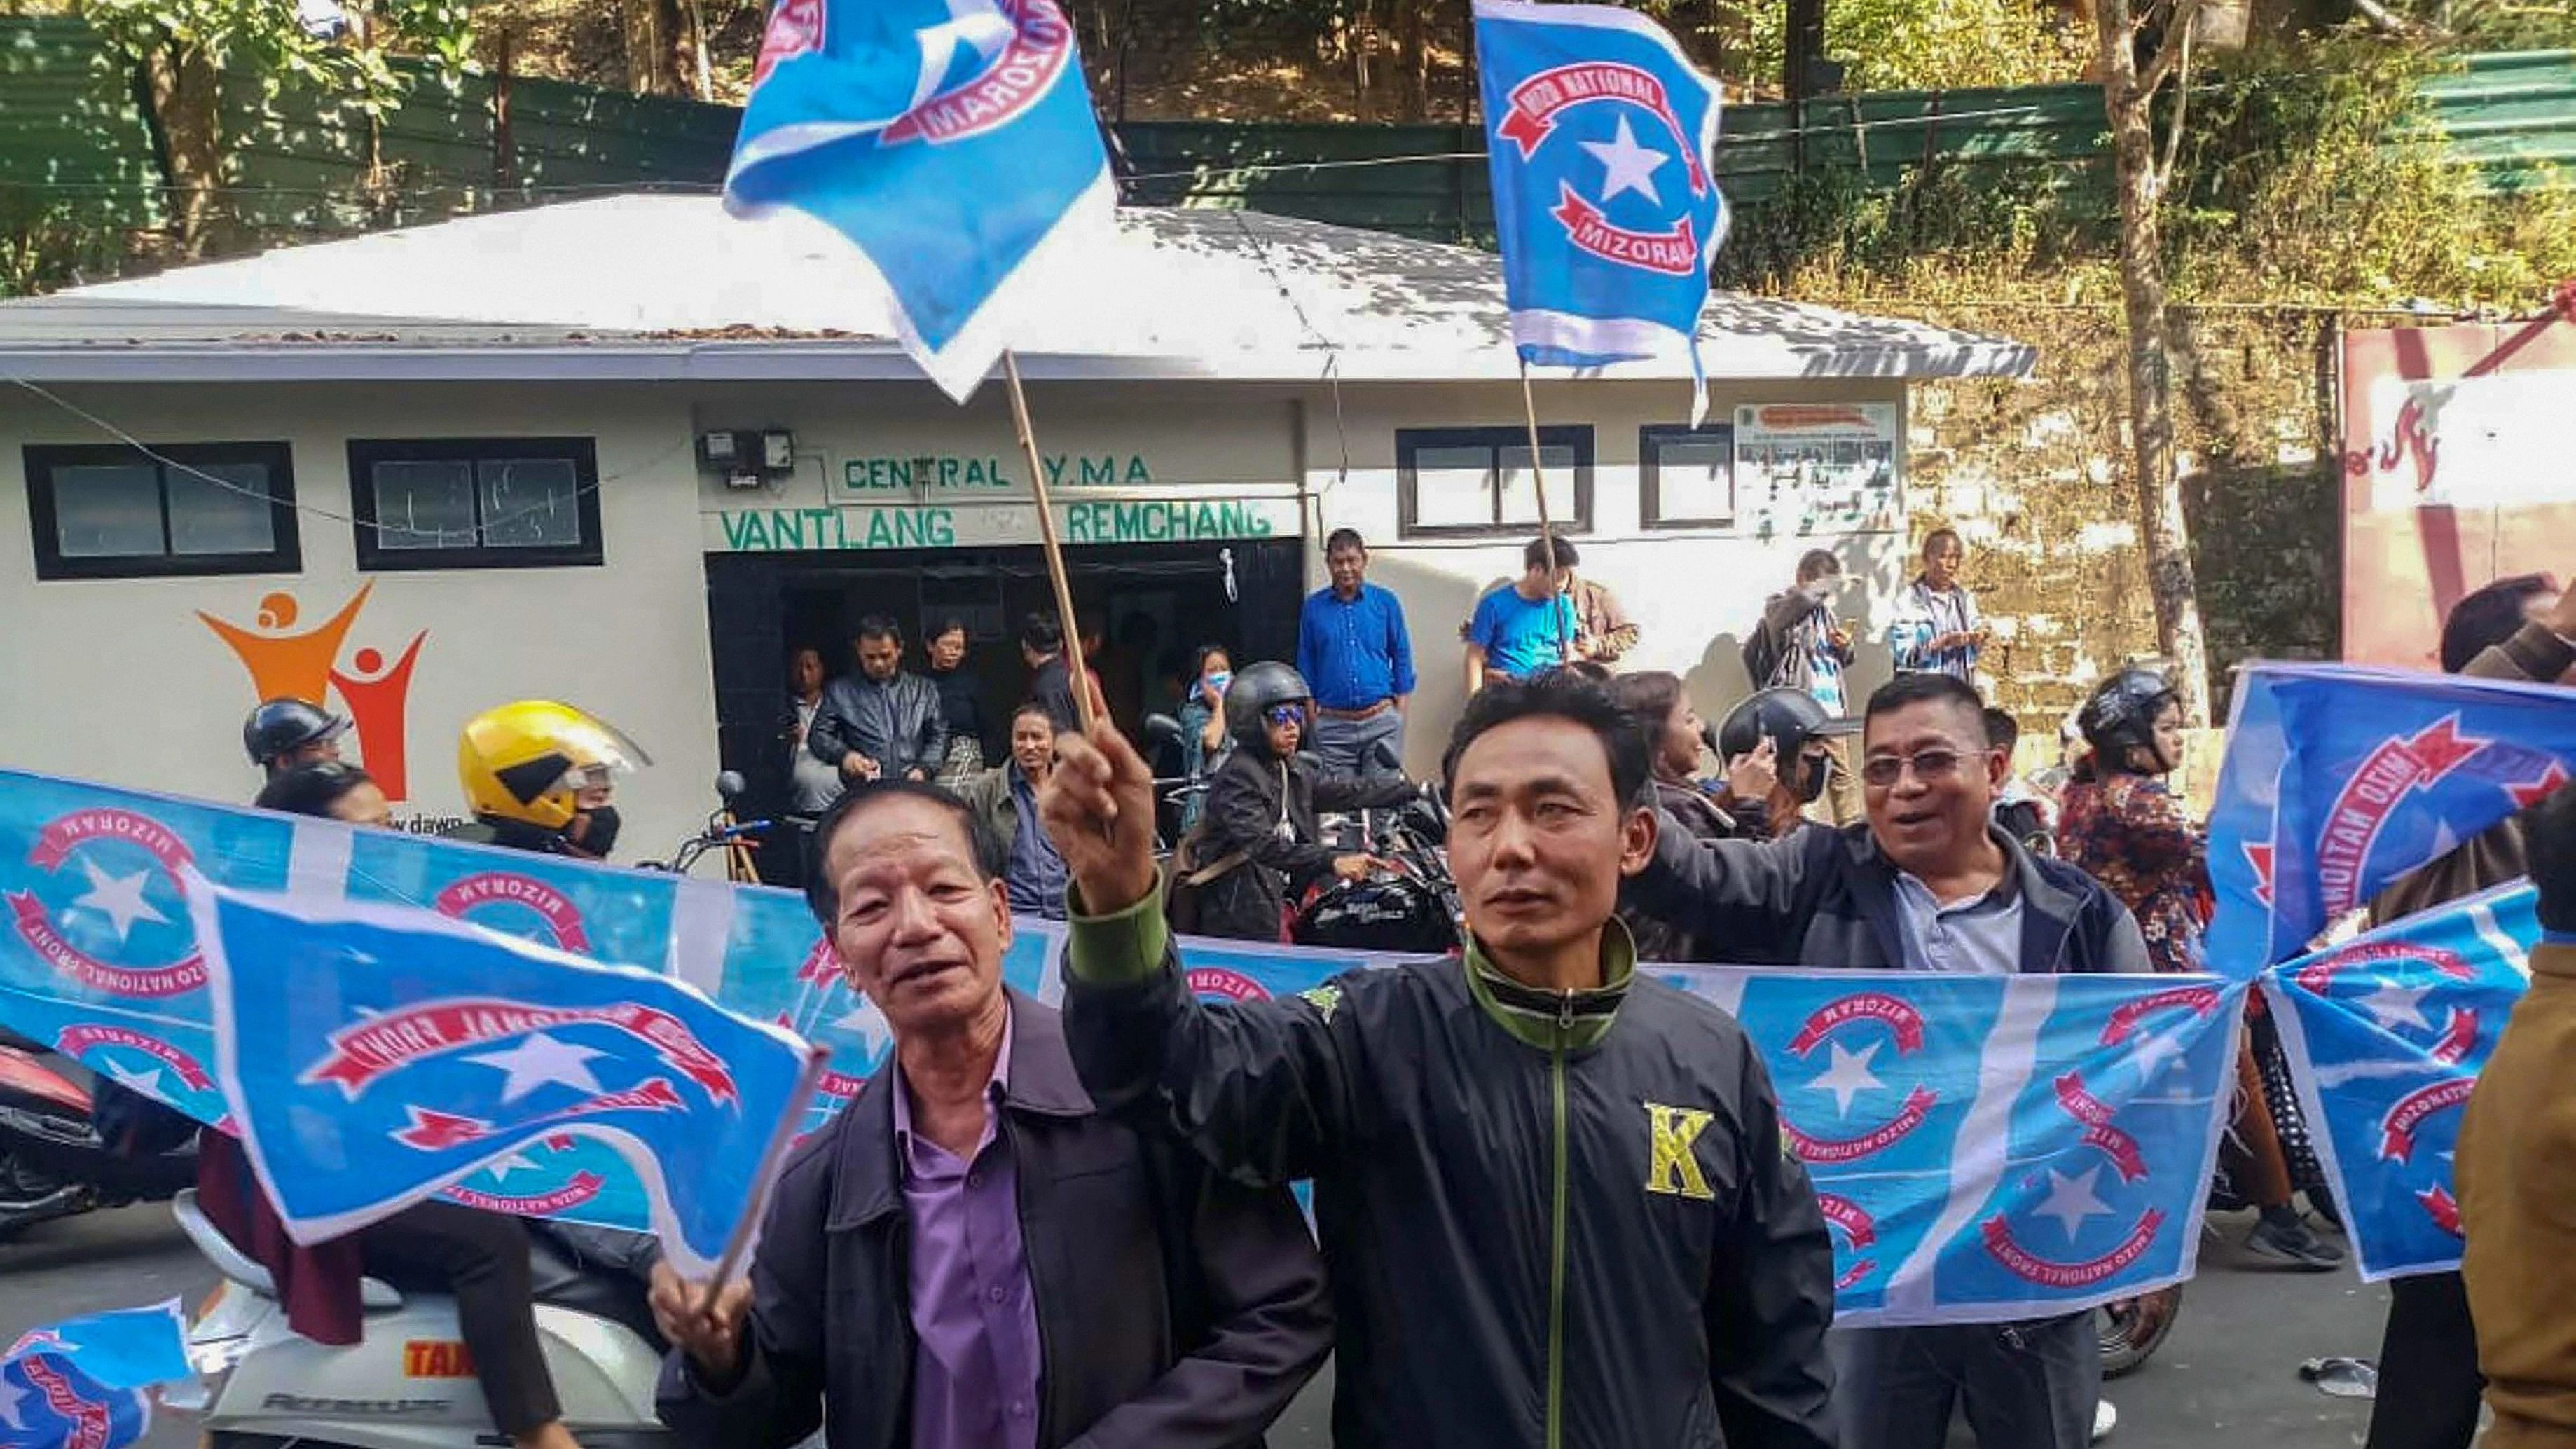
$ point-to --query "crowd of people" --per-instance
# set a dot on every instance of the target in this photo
(1551, 1200)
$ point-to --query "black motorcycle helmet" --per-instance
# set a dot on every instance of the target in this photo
(1255, 689)
(280, 727)
(1788, 717)
(2121, 714)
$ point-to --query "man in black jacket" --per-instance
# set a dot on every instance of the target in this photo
(972, 1254)
(1928, 884)
(1553, 1192)
(880, 723)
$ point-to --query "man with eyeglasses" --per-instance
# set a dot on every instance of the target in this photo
(1926, 884)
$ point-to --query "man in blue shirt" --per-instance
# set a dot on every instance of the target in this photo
(1527, 628)
(1355, 654)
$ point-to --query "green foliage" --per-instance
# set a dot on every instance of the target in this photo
(48, 240)
(2320, 177)
(1931, 44)
(1826, 230)
(263, 39)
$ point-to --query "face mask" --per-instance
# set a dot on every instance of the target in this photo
(1811, 779)
(600, 835)
(1219, 680)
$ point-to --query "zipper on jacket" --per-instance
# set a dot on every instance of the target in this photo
(1556, 1238)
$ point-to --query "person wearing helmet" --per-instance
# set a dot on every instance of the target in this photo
(1259, 840)
(2123, 825)
(284, 733)
(537, 775)
(1805, 753)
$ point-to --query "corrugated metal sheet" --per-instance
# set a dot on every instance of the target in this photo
(70, 129)
(2513, 117)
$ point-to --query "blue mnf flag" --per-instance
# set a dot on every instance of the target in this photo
(2386, 1035)
(80, 1384)
(373, 1055)
(2339, 779)
(1599, 133)
(952, 141)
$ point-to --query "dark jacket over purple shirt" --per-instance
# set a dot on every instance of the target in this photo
(1175, 1309)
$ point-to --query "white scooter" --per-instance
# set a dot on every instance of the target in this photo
(409, 1383)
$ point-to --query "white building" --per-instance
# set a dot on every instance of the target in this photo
(484, 445)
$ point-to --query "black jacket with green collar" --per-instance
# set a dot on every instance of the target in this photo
(1553, 1220)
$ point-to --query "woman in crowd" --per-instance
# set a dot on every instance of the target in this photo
(1260, 845)
(1676, 734)
(2123, 825)
(480, 1257)
(1204, 741)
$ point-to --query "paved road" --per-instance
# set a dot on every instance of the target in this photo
(2227, 1376)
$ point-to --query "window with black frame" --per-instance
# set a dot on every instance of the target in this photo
(464, 503)
(117, 511)
(1686, 475)
(1477, 482)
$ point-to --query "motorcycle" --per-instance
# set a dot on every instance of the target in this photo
(54, 1162)
(736, 838)
(1407, 904)
(409, 1383)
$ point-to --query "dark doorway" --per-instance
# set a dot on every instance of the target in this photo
(1157, 602)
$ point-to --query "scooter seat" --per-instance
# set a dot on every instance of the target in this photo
(558, 1280)
(374, 1295)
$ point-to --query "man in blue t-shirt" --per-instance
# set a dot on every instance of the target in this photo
(1525, 630)
(1354, 651)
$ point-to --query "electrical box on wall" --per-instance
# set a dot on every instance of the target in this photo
(747, 457)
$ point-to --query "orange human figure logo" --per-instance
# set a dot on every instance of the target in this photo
(283, 665)
(375, 696)
(306, 666)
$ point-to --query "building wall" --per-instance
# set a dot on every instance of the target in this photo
(1695, 592)
(118, 680)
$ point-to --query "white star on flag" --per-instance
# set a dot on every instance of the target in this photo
(502, 1169)
(542, 1061)
(119, 898)
(2071, 1200)
(147, 1081)
(2393, 1006)
(869, 1024)
(1847, 1077)
(2155, 1052)
(1630, 167)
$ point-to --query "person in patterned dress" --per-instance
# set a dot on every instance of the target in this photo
(2123, 825)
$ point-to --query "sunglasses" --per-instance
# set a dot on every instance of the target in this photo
(1932, 767)
(1280, 714)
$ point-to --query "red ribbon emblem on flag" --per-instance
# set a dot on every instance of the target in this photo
(365, 1051)
(1537, 101)
(53, 849)
(562, 917)
(1040, 47)
(2397, 1130)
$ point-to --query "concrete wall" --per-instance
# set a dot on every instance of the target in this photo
(118, 680)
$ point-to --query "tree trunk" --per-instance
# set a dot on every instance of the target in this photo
(2163, 530)
(701, 68)
(673, 59)
(1413, 46)
(182, 85)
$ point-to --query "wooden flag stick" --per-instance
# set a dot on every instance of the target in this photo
(1546, 530)
(1080, 679)
(781, 1138)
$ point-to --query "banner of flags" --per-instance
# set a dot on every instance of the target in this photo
(2101, 1097)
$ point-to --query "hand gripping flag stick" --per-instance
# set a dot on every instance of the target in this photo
(781, 1138)
(1079, 678)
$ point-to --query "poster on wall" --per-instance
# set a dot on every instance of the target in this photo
(2453, 473)
(1816, 468)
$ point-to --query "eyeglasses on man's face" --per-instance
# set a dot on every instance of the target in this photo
(1932, 767)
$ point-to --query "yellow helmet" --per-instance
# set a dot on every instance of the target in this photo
(526, 761)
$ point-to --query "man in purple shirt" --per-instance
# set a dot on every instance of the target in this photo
(972, 1255)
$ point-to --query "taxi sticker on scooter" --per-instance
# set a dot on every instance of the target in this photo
(436, 1358)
